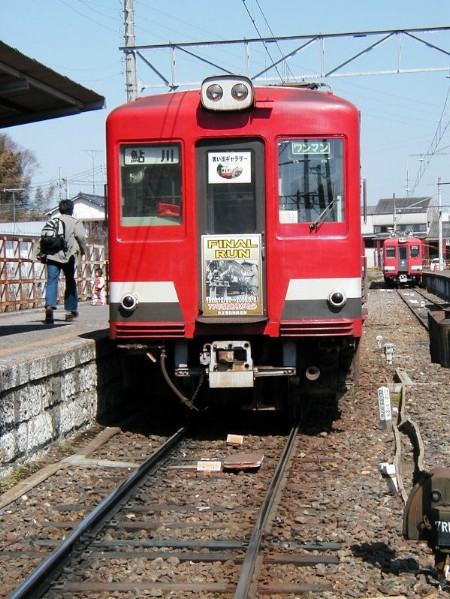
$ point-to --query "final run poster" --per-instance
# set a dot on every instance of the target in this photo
(232, 281)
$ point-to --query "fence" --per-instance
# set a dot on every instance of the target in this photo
(22, 279)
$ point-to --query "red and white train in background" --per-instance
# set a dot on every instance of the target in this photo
(403, 260)
(236, 254)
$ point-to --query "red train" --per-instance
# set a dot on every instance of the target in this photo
(234, 238)
(403, 260)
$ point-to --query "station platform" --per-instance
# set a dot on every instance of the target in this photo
(54, 379)
(24, 336)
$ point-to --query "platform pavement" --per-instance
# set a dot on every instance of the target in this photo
(24, 335)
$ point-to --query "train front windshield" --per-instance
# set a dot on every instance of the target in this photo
(311, 180)
(230, 192)
(415, 251)
(151, 185)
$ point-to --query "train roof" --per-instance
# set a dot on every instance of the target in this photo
(402, 239)
(265, 97)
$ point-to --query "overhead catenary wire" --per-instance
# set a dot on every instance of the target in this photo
(433, 148)
(286, 66)
(261, 36)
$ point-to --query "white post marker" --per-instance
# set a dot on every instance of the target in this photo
(388, 472)
(389, 352)
(384, 403)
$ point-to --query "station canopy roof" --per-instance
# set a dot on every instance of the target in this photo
(30, 91)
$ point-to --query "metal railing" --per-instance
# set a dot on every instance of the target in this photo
(23, 279)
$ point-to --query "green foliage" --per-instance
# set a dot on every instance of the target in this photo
(16, 168)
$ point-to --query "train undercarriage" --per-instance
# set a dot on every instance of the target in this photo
(403, 280)
(255, 374)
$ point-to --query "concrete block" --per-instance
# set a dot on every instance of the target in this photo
(8, 447)
(7, 412)
(29, 402)
(40, 432)
(52, 395)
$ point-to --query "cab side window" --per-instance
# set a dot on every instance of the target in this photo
(151, 192)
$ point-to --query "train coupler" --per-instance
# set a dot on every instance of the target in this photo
(229, 364)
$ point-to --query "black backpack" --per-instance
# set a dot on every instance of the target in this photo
(53, 237)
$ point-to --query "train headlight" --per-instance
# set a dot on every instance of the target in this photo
(129, 302)
(214, 92)
(337, 298)
(227, 92)
(239, 91)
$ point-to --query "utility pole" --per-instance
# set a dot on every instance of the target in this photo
(394, 228)
(441, 252)
(92, 152)
(62, 182)
(130, 52)
(13, 191)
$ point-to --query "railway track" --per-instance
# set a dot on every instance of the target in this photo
(333, 529)
(409, 447)
(160, 521)
(421, 302)
(46, 574)
(114, 531)
(420, 519)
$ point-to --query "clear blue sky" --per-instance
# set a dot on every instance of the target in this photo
(400, 114)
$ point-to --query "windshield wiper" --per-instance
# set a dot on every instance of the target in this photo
(320, 219)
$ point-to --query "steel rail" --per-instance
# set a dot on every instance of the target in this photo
(410, 429)
(404, 425)
(39, 581)
(251, 556)
(423, 319)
